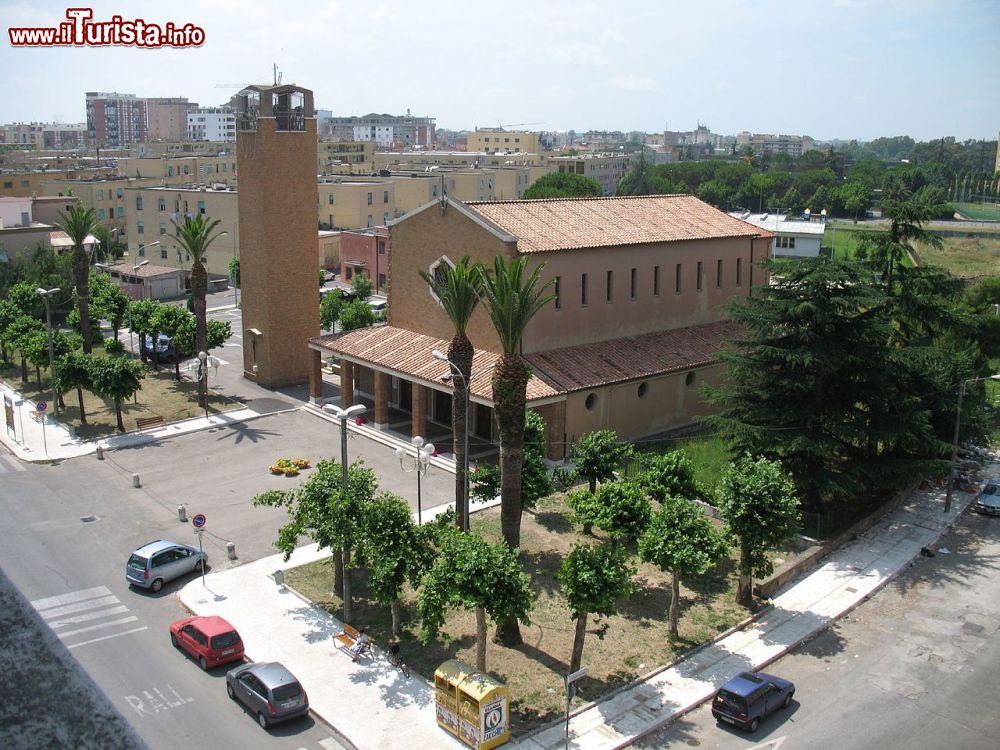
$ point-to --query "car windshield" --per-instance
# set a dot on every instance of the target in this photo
(284, 692)
(731, 700)
(225, 640)
(137, 562)
(991, 489)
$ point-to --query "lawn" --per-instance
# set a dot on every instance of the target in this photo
(636, 639)
(160, 395)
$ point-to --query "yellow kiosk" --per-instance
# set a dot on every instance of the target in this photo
(471, 705)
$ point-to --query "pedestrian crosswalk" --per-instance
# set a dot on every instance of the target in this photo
(86, 616)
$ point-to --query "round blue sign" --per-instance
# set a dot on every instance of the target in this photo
(199, 521)
(42, 406)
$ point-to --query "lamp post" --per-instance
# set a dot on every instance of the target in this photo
(417, 463)
(954, 443)
(46, 293)
(131, 333)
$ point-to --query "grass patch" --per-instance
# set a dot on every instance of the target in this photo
(965, 257)
(161, 395)
(637, 640)
(709, 456)
(979, 211)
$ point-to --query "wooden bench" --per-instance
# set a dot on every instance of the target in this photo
(145, 423)
(347, 639)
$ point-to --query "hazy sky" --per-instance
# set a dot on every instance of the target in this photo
(824, 68)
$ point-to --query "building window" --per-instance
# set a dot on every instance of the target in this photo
(689, 379)
(201, 207)
(739, 271)
(370, 222)
(385, 196)
(163, 253)
(140, 228)
(677, 279)
(381, 247)
(642, 390)
(718, 272)
(558, 290)
(791, 242)
(120, 212)
(656, 281)
(583, 289)
(700, 269)
(100, 214)
(100, 195)
(632, 283)
(330, 197)
(163, 228)
(9, 184)
(385, 218)
(162, 205)
(119, 193)
(138, 203)
(187, 169)
(591, 401)
(610, 286)
(381, 281)
(142, 251)
(369, 201)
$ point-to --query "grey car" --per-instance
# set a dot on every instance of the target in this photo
(988, 501)
(269, 691)
(153, 564)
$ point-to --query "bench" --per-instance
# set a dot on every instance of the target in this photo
(347, 639)
(145, 423)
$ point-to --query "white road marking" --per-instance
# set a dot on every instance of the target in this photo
(149, 704)
(770, 744)
(104, 601)
(63, 621)
(73, 596)
(100, 625)
(106, 637)
(97, 605)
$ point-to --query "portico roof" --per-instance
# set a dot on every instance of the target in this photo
(555, 372)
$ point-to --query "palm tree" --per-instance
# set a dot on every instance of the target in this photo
(195, 235)
(511, 300)
(80, 224)
(458, 293)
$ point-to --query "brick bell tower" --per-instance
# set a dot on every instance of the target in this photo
(279, 260)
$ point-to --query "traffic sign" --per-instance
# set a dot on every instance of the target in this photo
(42, 406)
(198, 521)
(574, 676)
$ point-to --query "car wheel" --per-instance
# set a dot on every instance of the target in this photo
(788, 700)
(173, 641)
(262, 720)
(202, 663)
(200, 566)
(753, 725)
(157, 585)
(230, 691)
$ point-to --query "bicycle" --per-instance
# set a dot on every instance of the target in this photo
(395, 659)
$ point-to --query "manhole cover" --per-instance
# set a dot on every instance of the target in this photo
(89, 519)
(851, 590)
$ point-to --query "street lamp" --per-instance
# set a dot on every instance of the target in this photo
(954, 443)
(46, 293)
(343, 415)
(417, 463)
(131, 333)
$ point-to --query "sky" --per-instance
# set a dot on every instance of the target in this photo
(829, 69)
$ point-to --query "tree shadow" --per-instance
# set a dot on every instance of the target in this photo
(555, 522)
(237, 432)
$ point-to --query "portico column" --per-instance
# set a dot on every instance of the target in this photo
(418, 423)
(315, 376)
(381, 400)
(346, 383)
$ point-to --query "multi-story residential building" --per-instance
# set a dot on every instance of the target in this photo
(419, 160)
(607, 169)
(498, 140)
(356, 203)
(640, 289)
(29, 223)
(38, 135)
(217, 124)
(384, 130)
(106, 197)
(168, 118)
(766, 143)
(366, 251)
(115, 119)
(340, 156)
(185, 148)
(183, 170)
(26, 183)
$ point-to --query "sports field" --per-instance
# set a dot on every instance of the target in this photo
(979, 211)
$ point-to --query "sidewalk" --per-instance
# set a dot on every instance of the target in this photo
(370, 704)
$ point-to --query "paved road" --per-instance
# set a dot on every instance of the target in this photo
(915, 667)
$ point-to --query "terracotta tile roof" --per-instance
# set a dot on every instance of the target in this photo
(555, 372)
(566, 223)
(143, 272)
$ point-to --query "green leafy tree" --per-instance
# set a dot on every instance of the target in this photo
(473, 574)
(682, 540)
(142, 317)
(234, 272)
(793, 202)
(757, 500)
(564, 185)
(320, 509)
(79, 224)
(593, 579)
(19, 334)
(8, 314)
(598, 455)
(511, 300)
(115, 378)
(356, 314)
(24, 296)
(620, 509)
(638, 180)
(392, 551)
(329, 310)
(185, 333)
(195, 236)
(361, 286)
(36, 348)
(668, 475)
(110, 301)
(457, 291)
(72, 370)
(169, 320)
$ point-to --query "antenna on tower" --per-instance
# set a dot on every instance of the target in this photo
(277, 75)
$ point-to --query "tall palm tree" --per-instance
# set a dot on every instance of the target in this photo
(80, 224)
(458, 293)
(511, 300)
(195, 235)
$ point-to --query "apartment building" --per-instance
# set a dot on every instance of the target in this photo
(106, 197)
(767, 143)
(607, 169)
(178, 148)
(356, 203)
(41, 135)
(115, 119)
(420, 160)
(182, 170)
(26, 183)
(217, 125)
(167, 118)
(19, 230)
(344, 156)
(640, 290)
(384, 130)
(498, 140)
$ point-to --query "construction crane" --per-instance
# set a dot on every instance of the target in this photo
(518, 124)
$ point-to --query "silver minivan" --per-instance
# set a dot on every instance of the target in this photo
(153, 564)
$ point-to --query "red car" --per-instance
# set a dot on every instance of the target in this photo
(210, 640)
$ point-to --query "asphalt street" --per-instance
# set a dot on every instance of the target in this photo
(914, 667)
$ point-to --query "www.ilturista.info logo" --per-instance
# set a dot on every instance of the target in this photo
(81, 31)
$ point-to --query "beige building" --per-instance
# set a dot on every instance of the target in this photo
(106, 197)
(178, 148)
(500, 141)
(344, 156)
(640, 289)
(607, 169)
(182, 170)
(26, 183)
(168, 118)
(418, 161)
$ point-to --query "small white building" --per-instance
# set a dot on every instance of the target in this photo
(217, 125)
(796, 238)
